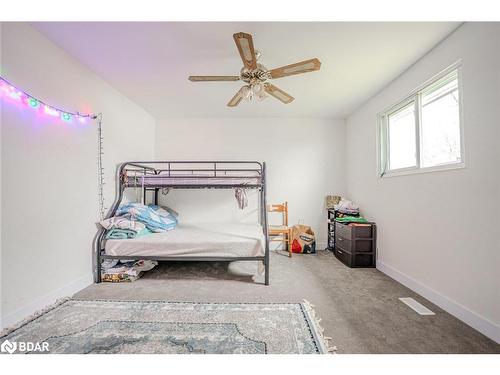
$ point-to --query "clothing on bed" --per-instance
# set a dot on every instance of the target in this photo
(122, 223)
(155, 218)
(241, 197)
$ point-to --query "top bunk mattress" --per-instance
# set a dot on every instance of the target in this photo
(195, 240)
(193, 180)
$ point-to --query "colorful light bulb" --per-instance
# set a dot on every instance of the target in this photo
(66, 116)
(33, 103)
(16, 95)
(4, 87)
(50, 111)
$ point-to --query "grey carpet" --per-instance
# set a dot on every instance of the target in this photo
(359, 307)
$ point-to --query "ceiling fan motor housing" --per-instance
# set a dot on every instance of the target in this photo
(261, 74)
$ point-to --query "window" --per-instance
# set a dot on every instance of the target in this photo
(423, 132)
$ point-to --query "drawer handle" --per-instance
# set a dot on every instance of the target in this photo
(339, 251)
(340, 239)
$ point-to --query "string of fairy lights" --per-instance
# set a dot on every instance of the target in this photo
(13, 94)
(16, 95)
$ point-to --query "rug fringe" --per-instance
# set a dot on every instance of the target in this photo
(316, 320)
(6, 331)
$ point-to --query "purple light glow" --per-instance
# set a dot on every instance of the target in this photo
(15, 95)
(50, 111)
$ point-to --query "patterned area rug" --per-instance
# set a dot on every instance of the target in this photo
(78, 326)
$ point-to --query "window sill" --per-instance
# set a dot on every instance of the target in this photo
(437, 168)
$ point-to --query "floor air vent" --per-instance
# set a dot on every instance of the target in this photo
(418, 307)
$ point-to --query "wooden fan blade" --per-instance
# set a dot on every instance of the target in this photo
(279, 94)
(213, 78)
(237, 98)
(244, 43)
(297, 68)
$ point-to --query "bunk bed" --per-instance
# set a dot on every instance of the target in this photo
(228, 242)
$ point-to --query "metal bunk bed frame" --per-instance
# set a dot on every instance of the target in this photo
(215, 172)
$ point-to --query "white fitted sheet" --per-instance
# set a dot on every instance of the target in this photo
(213, 239)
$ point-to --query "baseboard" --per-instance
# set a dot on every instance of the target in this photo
(476, 321)
(320, 245)
(45, 300)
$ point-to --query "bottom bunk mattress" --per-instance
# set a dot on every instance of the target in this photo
(195, 240)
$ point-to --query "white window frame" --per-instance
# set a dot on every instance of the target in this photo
(415, 96)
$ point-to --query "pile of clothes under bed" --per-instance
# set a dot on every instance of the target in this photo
(130, 221)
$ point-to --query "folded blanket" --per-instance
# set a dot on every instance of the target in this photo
(155, 218)
(123, 234)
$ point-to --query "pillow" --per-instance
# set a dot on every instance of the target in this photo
(164, 211)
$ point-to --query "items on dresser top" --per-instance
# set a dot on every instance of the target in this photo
(355, 243)
(351, 219)
(347, 207)
(332, 200)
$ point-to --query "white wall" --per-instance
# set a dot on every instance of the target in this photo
(1, 109)
(304, 158)
(438, 232)
(49, 171)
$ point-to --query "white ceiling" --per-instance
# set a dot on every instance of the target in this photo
(150, 62)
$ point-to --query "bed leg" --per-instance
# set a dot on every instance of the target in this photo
(263, 206)
(98, 270)
(98, 261)
(266, 277)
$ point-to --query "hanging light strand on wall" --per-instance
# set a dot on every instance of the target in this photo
(100, 168)
(15, 94)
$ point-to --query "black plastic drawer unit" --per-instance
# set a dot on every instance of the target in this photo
(355, 244)
(354, 230)
(343, 256)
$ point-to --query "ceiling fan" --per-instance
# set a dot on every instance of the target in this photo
(256, 75)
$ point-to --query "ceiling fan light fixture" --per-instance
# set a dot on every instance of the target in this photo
(254, 91)
(263, 95)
